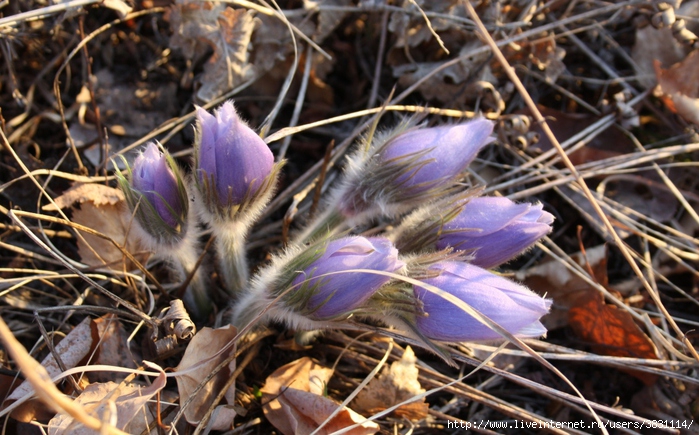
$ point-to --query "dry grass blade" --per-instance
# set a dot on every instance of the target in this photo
(579, 180)
(39, 242)
(578, 127)
(14, 20)
(44, 387)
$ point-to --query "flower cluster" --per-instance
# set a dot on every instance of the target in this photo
(427, 275)
(234, 178)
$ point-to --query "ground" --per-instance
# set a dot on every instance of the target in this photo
(595, 110)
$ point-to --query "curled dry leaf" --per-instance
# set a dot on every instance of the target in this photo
(396, 384)
(176, 320)
(295, 404)
(208, 349)
(678, 87)
(102, 399)
(175, 327)
(104, 210)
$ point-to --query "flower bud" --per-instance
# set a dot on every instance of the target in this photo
(442, 152)
(234, 166)
(334, 286)
(495, 229)
(416, 166)
(157, 194)
(512, 306)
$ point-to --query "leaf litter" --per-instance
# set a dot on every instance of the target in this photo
(128, 400)
(297, 402)
(197, 388)
(226, 30)
(154, 64)
(103, 209)
(396, 384)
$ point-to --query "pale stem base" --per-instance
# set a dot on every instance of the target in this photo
(196, 297)
(230, 245)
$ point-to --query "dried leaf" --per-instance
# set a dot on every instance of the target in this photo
(678, 86)
(203, 354)
(113, 348)
(396, 384)
(150, 104)
(547, 56)
(98, 194)
(227, 31)
(228, 67)
(653, 44)
(653, 402)
(111, 221)
(328, 18)
(191, 22)
(611, 331)
(294, 404)
(411, 29)
(640, 192)
(565, 288)
(272, 44)
(448, 85)
(102, 209)
(73, 349)
(564, 125)
(101, 399)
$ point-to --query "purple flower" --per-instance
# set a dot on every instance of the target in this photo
(152, 177)
(496, 229)
(440, 154)
(334, 287)
(405, 170)
(512, 306)
(233, 162)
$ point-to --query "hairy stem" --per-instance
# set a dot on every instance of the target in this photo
(327, 223)
(230, 245)
(184, 261)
